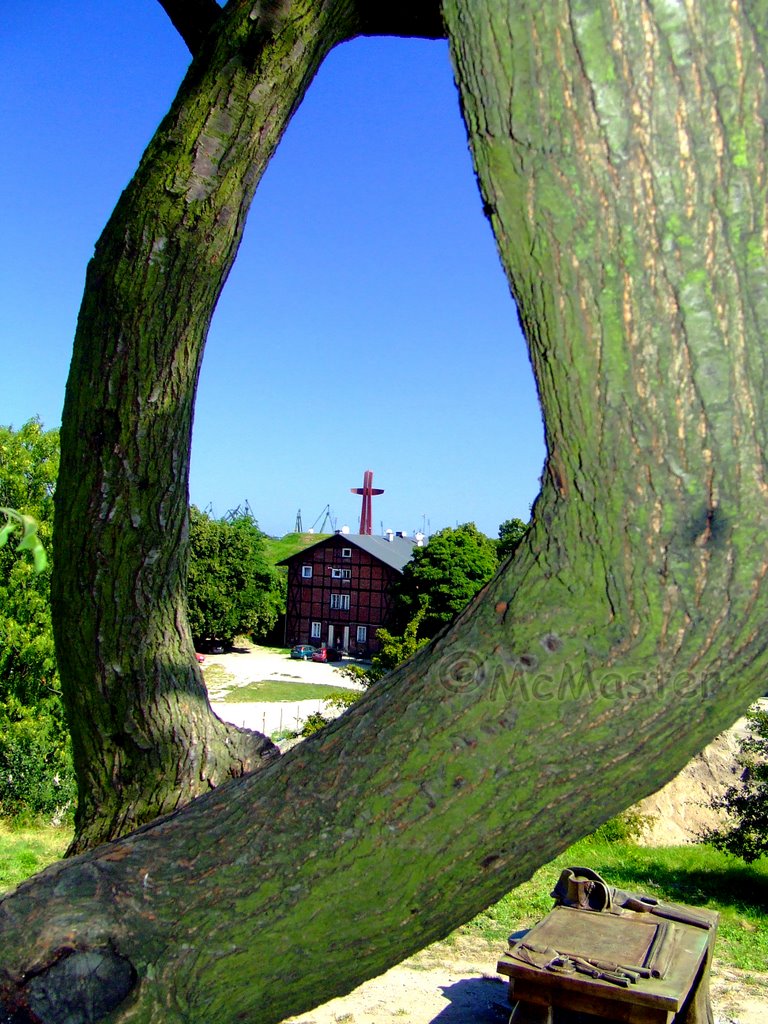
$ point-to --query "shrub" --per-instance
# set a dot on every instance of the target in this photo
(746, 803)
(314, 723)
(36, 774)
(624, 827)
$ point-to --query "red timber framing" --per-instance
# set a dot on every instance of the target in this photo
(339, 591)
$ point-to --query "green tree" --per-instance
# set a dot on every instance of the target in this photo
(231, 588)
(29, 462)
(630, 214)
(394, 650)
(511, 532)
(746, 803)
(36, 775)
(444, 576)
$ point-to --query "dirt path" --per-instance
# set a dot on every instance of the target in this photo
(445, 984)
(458, 984)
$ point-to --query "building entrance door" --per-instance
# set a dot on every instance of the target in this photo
(338, 636)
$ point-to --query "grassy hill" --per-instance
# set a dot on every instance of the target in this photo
(279, 548)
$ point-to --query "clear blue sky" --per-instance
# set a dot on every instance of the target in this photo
(367, 323)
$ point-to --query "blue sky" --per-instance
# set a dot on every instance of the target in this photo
(366, 324)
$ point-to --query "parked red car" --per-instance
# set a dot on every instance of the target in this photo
(327, 654)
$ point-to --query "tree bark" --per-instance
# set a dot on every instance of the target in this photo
(621, 153)
(145, 739)
(192, 19)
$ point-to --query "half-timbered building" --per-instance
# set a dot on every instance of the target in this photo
(339, 590)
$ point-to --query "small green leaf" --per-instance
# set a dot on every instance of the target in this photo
(28, 542)
(6, 532)
(40, 558)
(29, 539)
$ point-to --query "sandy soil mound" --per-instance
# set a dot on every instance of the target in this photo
(681, 811)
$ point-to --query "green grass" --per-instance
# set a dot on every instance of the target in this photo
(275, 689)
(696, 875)
(25, 851)
(278, 548)
(217, 676)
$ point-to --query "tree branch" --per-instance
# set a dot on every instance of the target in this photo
(422, 19)
(193, 19)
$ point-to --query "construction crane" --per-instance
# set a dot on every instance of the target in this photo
(327, 517)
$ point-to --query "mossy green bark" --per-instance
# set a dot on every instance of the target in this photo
(621, 152)
(145, 739)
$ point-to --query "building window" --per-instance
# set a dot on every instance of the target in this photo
(315, 634)
(340, 602)
(362, 634)
(306, 572)
(346, 552)
(341, 574)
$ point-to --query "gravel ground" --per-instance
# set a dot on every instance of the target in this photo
(253, 664)
(458, 984)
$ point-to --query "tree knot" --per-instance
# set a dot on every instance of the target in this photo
(79, 987)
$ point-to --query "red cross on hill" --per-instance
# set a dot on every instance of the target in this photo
(367, 491)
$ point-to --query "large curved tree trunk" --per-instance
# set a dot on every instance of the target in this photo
(145, 739)
(621, 151)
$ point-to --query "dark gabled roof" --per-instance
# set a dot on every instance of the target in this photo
(394, 553)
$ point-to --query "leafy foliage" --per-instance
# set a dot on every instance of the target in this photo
(625, 827)
(747, 802)
(29, 458)
(511, 532)
(232, 589)
(313, 723)
(445, 576)
(29, 461)
(36, 777)
(395, 650)
(27, 525)
(36, 774)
